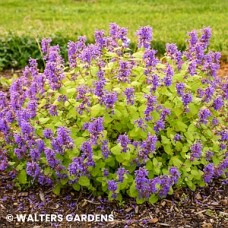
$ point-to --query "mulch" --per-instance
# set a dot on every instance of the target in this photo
(206, 207)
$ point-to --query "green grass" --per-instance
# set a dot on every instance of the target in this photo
(23, 21)
(170, 19)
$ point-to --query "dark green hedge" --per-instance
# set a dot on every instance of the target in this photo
(15, 50)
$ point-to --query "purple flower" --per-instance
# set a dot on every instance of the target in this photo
(54, 69)
(203, 115)
(196, 151)
(155, 81)
(62, 98)
(64, 138)
(77, 167)
(154, 184)
(112, 185)
(44, 180)
(99, 86)
(172, 51)
(104, 149)
(215, 121)
(205, 38)
(177, 137)
(53, 110)
(124, 71)
(150, 59)
(193, 38)
(186, 99)
(209, 155)
(144, 37)
(209, 93)
(224, 135)
(165, 112)
(33, 169)
(19, 152)
(48, 134)
(118, 33)
(180, 88)
(220, 169)
(141, 124)
(218, 103)
(90, 53)
(51, 158)
(200, 93)
(151, 101)
(124, 141)
(45, 45)
(148, 146)
(95, 128)
(3, 100)
(143, 185)
(173, 171)
(120, 173)
(159, 125)
(109, 99)
(74, 49)
(106, 172)
(86, 148)
(168, 75)
(26, 128)
(166, 183)
(99, 38)
(129, 92)
(35, 154)
(3, 161)
(192, 67)
(208, 172)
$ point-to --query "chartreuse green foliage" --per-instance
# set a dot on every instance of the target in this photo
(117, 122)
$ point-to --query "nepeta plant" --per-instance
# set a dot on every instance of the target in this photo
(118, 122)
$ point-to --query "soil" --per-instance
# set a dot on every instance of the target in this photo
(206, 207)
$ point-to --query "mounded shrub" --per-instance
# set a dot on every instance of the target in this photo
(116, 122)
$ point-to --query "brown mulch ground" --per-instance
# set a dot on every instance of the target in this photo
(206, 207)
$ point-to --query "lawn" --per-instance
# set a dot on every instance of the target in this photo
(170, 19)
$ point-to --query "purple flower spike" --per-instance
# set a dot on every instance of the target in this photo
(124, 141)
(129, 92)
(208, 172)
(144, 37)
(196, 151)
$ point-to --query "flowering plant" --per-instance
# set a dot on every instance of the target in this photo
(117, 122)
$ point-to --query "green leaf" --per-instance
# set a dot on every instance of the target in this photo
(153, 199)
(178, 146)
(57, 189)
(149, 165)
(133, 192)
(76, 187)
(140, 201)
(176, 161)
(180, 126)
(168, 149)
(96, 110)
(165, 140)
(22, 177)
(116, 149)
(44, 120)
(84, 181)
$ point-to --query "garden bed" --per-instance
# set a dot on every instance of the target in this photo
(206, 207)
